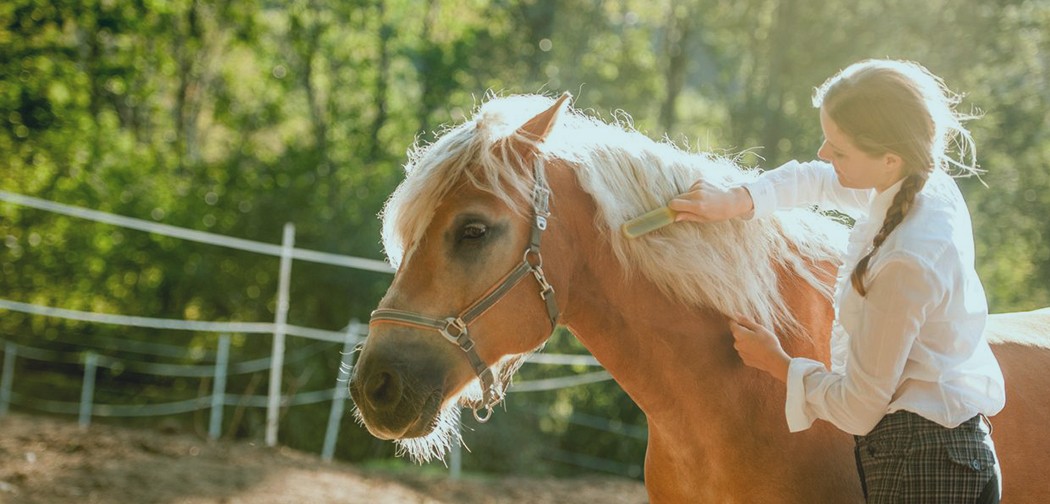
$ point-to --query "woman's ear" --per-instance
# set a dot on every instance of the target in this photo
(894, 165)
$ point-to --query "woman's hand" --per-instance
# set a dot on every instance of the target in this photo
(706, 203)
(759, 347)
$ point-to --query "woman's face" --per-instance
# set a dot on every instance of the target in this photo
(855, 168)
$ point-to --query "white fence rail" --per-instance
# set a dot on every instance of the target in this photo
(194, 235)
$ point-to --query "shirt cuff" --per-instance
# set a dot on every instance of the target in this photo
(764, 192)
(795, 411)
(763, 197)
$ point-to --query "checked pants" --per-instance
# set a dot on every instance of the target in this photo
(909, 459)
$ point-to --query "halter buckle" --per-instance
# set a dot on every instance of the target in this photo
(541, 199)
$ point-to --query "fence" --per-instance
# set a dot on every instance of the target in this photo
(217, 372)
(221, 367)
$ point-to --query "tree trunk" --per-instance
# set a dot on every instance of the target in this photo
(679, 31)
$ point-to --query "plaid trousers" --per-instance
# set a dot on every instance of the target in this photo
(909, 459)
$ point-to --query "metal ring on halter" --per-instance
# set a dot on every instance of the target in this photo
(486, 417)
(536, 252)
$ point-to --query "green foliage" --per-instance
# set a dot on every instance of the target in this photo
(235, 117)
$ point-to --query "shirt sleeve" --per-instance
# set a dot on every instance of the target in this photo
(899, 296)
(795, 184)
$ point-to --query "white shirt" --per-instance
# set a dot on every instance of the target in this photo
(916, 341)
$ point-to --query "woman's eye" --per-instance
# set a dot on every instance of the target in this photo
(474, 230)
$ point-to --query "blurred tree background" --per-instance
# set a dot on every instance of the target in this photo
(234, 117)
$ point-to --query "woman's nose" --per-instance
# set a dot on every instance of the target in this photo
(822, 152)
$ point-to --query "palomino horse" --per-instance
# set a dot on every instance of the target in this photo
(509, 223)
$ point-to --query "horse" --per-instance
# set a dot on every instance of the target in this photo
(508, 225)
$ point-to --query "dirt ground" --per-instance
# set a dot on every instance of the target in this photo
(48, 460)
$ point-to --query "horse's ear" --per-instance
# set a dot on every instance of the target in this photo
(537, 128)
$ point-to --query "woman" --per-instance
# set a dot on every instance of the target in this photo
(912, 376)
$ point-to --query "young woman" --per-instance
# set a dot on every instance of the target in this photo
(912, 376)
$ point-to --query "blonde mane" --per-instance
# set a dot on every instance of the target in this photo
(728, 266)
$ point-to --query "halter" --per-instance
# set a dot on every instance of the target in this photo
(455, 329)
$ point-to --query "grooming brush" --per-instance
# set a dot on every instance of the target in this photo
(647, 222)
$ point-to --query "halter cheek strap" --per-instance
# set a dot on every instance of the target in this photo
(455, 329)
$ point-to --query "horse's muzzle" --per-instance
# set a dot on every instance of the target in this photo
(392, 404)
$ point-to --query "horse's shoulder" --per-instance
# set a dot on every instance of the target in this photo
(1027, 328)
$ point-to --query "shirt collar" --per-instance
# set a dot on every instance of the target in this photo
(881, 202)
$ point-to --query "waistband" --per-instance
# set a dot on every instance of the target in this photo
(905, 421)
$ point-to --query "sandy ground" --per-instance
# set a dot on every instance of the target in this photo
(48, 460)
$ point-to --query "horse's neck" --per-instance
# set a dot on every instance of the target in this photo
(676, 361)
(659, 349)
(672, 359)
(645, 339)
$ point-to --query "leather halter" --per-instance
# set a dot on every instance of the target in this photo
(455, 328)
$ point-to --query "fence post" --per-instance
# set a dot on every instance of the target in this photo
(455, 466)
(218, 391)
(10, 350)
(339, 394)
(280, 322)
(87, 392)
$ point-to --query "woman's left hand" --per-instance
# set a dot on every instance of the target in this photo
(759, 347)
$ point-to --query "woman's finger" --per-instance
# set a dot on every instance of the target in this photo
(747, 323)
(679, 204)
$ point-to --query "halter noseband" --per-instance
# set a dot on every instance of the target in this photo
(455, 329)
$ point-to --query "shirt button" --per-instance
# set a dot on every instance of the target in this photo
(976, 464)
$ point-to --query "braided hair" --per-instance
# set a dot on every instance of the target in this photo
(898, 107)
(902, 202)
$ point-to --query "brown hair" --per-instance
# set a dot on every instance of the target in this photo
(898, 107)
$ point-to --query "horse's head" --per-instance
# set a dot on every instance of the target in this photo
(470, 299)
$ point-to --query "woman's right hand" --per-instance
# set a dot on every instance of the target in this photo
(706, 203)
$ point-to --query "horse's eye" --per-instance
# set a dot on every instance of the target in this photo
(474, 231)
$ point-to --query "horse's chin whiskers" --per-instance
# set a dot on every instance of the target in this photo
(470, 395)
(358, 417)
(435, 445)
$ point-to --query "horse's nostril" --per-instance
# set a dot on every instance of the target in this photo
(383, 389)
